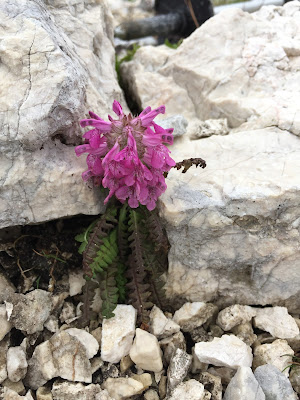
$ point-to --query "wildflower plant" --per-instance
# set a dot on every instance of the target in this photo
(126, 249)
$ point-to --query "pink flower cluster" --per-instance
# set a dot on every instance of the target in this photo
(127, 155)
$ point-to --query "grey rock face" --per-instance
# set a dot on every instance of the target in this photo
(275, 385)
(64, 356)
(177, 122)
(3, 357)
(214, 383)
(244, 386)
(71, 391)
(62, 57)
(16, 363)
(178, 368)
(30, 311)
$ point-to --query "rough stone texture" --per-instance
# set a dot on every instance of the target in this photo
(272, 354)
(61, 56)
(71, 391)
(15, 386)
(122, 388)
(145, 379)
(245, 333)
(241, 213)
(177, 122)
(295, 378)
(244, 386)
(86, 339)
(214, 383)
(178, 368)
(246, 72)
(193, 315)
(16, 363)
(118, 333)
(201, 129)
(64, 356)
(275, 385)
(189, 390)
(76, 282)
(5, 325)
(12, 395)
(3, 357)
(234, 315)
(277, 322)
(145, 351)
(30, 311)
(6, 288)
(44, 393)
(228, 351)
(170, 344)
(160, 325)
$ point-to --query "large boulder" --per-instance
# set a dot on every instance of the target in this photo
(233, 227)
(57, 62)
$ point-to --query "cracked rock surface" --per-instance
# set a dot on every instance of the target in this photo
(57, 61)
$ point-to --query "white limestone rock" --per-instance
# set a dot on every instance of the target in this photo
(118, 333)
(234, 315)
(62, 56)
(248, 74)
(30, 311)
(241, 212)
(12, 395)
(160, 325)
(244, 386)
(16, 363)
(72, 391)
(228, 351)
(15, 386)
(6, 288)
(201, 129)
(177, 122)
(145, 351)
(193, 315)
(245, 333)
(275, 385)
(189, 390)
(276, 321)
(86, 339)
(64, 356)
(122, 388)
(76, 282)
(5, 325)
(273, 354)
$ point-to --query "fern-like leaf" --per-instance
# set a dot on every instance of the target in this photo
(136, 273)
(109, 291)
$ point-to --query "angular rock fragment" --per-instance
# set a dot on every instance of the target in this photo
(160, 325)
(245, 333)
(193, 315)
(189, 390)
(4, 344)
(16, 363)
(118, 333)
(30, 311)
(64, 356)
(213, 383)
(276, 321)
(234, 315)
(72, 391)
(228, 351)
(5, 325)
(122, 388)
(179, 366)
(275, 354)
(244, 386)
(86, 339)
(145, 351)
(275, 385)
(170, 344)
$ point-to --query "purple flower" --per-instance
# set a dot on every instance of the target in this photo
(127, 155)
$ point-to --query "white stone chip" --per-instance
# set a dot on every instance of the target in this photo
(122, 388)
(76, 282)
(275, 354)
(227, 351)
(118, 333)
(189, 390)
(244, 386)
(235, 315)
(86, 339)
(5, 325)
(276, 321)
(145, 351)
(193, 315)
(160, 325)
(16, 363)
